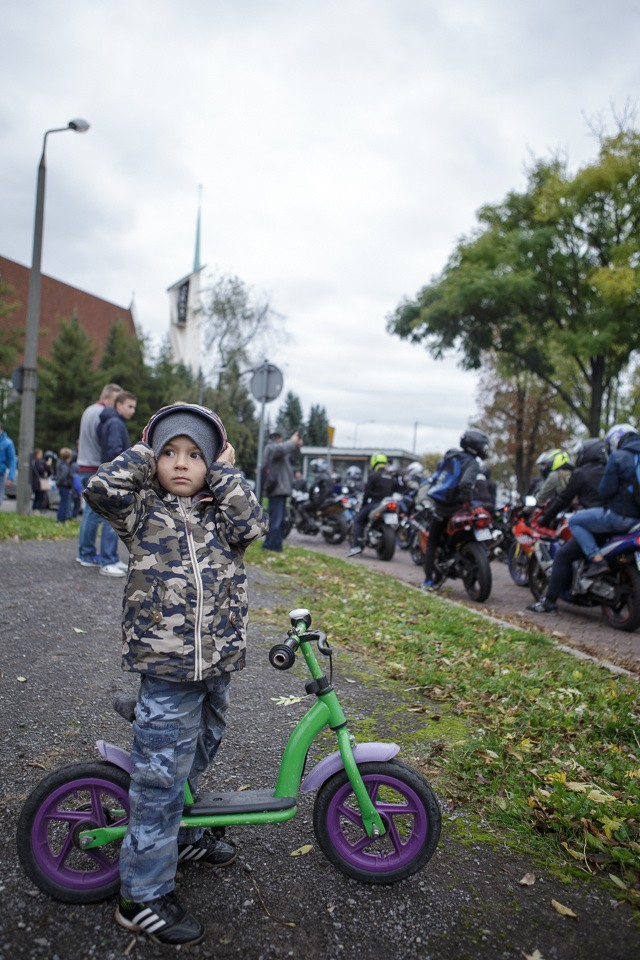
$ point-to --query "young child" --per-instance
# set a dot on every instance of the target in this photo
(186, 515)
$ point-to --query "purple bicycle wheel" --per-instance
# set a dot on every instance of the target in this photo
(67, 802)
(408, 810)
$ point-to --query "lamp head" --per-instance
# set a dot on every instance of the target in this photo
(79, 125)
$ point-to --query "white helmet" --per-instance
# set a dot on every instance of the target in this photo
(615, 435)
(415, 469)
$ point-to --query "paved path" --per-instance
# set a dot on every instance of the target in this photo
(583, 628)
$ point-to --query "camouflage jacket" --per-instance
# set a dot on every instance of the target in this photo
(185, 601)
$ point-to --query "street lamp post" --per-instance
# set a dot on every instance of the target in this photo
(30, 365)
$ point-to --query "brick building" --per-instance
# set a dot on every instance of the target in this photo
(59, 302)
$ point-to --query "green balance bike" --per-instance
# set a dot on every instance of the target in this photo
(376, 819)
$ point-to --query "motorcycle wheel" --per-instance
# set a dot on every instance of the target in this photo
(410, 812)
(476, 574)
(69, 800)
(416, 551)
(624, 612)
(339, 531)
(404, 536)
(287, 524)
(538, 579)
(518, 565)
(386, 545)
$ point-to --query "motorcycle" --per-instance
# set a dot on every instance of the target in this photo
(616, 590)
(331, 517)
(463, 552)
(380, 531)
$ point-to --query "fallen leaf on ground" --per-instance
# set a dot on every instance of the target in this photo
(301, 851)
(286, 701)
(78, 630)
(536, 955)
(528, 880)
(21, 679)
(562, 910)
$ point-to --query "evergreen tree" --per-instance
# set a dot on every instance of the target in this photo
(316, 432)
(123, 358)
(290, 416)
(232, 402)
(67, 384)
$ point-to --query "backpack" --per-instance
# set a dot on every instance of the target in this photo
(443, 485)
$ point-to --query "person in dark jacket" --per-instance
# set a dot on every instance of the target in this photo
(64, 482)
(112, 426)
(378, 486)
(475, 447)
(584, 486)
(619, 511)
(40, 470)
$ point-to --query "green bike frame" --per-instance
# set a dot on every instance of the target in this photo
(325, 712)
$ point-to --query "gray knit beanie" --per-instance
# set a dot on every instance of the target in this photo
(186, 424)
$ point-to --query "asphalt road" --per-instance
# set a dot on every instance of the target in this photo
(582, 628)
(60, 668)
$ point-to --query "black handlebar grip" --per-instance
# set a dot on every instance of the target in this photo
(283, 655)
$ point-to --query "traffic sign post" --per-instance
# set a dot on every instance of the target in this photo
(266, 384)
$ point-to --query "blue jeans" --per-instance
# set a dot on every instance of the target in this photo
(176, 734)
(585, 523)
(64, 507)
(89, 532)
(3, 480)
(274, 538)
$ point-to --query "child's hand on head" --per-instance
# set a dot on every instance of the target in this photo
(228, 455)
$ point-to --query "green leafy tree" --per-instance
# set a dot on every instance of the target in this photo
(67, 384)
(550, 279)
(290, 416)
(316, 431)
(522, 416)
(237, 324)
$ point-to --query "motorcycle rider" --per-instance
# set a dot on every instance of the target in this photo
(474, 445)
(320, 488)
(353, 479)
(555, 468)
(584, 484)
(619, 511)
(379, 485)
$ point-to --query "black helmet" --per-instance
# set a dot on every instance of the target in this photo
(592, 450)
(475, 442)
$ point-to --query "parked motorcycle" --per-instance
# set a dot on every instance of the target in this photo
(331, 517)
(616, 590)
(463, 552)
(526, 534)
(380, 531)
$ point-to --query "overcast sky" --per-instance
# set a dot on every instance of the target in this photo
(343, 147)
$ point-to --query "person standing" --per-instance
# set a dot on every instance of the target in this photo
(278, 469)
(187, 515)
(112, 426)
(40, 473)
(7, 460)
(89, 459)
(64, 483)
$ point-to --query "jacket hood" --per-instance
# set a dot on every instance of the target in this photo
(107, 413)
(205, 412)
(630, 441)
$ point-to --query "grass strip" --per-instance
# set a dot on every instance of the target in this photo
(550, 753)
(15, 526)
